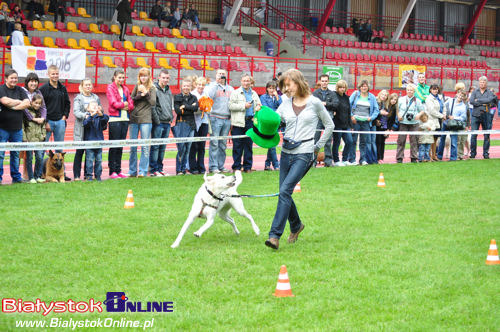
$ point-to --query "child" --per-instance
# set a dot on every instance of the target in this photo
(94, 124)
(425, 141)
(34, 131)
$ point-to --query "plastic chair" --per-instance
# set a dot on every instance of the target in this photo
(106, 44)
(177, 34)
(180, 47)
(71, 26)
(72, 43)
(83, 12)
(131, 63)
(140, 46)
(115, 29)
(194, 64)
(108, 62)
(151, 47)
(161, 47)
(144, 16)
(141, 62)
(84, 43)
(49, 26)
(127, 44)
(136, 30)
(71, 11)
(94, 28)
(147, 31)
(49, 42)
(164, 63)
(105, 29)
(61, 43)
(171, 48)
(61, 27)
(95, 44)
(37, 25)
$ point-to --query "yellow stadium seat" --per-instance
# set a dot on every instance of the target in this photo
(26, 41)
(49, 42)
(144, 16)
(49, 25)
(84, 43)
(164, 63)
(205, 65)
(171, 48)
(185, 64)
(37, 25)
(115, 29)
(107, 45)
(82, 12)
(8, 58)
(136, 30)
(72, 27)
(129, 46)
(176, 33)
(142, 63)
(73, 44)
(150, 46)
(87, 62)
(108, 62)
(94, 28)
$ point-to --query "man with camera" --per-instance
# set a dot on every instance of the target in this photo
(409, 110)
(220, 123)
(243, 104)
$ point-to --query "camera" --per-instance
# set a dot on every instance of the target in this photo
(409, 117)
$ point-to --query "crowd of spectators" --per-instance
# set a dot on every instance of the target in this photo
(34, 114)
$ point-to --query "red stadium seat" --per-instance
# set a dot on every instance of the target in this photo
(210, 49)
(343, 43)
(186, 34)
(131, 63)
(238, 51)
(61, 43)
(195, 64)
(195, 34)
(180, 47)
(213, 35)
(167, 33)
(337, 56)
(61, 27)
(147, 31)
(140, 46)
(327, 29)
(344, 56)
(335, 30)
(161, 47)
(219, 50)
(214, 64)
(83, 27)
(156, 32)
(329, 55)
(153, 63)
(96, 61)
(118, 45)
(71, 11)
(262, 67)
(119, 62)
(200, 49)
(97, 45)
(36, 41)
(204, 35)
(190, 48)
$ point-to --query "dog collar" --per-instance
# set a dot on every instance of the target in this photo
(213, 195)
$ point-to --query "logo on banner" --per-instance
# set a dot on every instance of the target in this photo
(118, 302)
(36, 60)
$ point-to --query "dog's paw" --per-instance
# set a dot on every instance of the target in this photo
(175, 245)
(257, 231)
(197, 234)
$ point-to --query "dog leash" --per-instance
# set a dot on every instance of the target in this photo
(252, 196)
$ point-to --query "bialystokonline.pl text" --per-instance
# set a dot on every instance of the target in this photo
(73, 324)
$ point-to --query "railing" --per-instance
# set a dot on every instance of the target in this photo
(380, 75)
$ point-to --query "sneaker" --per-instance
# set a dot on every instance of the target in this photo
(131, 175)
(215, 171)
(349, 163)
(67, 179)
(340, 164)
(273, 242)
(122, 175)
(140, 175)
(363, 163)
(157, 174)
(32, 181)
(40, 180)
(267, 168)
(77, 179)
(114, 176)
(180, 173)
(225, 170)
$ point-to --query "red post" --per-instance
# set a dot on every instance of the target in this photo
(355, 74)
(442, 73)
(179, 71)
(392, 76)
(317, 69)
(324, 18)
(96, 67)
(373, 73)
(260, 36)
(472, 23)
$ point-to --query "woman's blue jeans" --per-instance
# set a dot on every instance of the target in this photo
(292, 169)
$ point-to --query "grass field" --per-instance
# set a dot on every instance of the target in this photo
(408, 257)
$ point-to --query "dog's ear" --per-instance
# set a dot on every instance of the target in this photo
(51, 154)
(63, 153)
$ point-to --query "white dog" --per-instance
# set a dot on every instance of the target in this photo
(216, 196)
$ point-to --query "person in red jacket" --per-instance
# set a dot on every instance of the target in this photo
(120, 105)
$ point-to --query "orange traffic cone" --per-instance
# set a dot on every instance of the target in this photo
(283, 288)
(492, 258)
(297, 188)
(381, 181)
(129, 202)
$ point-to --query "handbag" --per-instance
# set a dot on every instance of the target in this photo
(453, 124)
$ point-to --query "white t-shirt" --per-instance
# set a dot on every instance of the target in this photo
(17, 38)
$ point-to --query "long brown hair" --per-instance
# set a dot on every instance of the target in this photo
(392, 109)
(297, 77)
(145, 72)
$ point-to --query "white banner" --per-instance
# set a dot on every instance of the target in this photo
(71, 63)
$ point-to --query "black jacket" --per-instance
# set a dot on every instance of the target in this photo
(124, 12)
(190, 103)
(342, 109)
(56, 100)
(328, 98)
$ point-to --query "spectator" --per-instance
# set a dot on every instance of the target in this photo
(156, 12)
(162, 119)
(422, 90)
(141, 120)
(409, 111)
(95, 123)
(197, 150)
(4, 19)
(193, 14)
(185, 105)
(355, 26)
(166, 14)
(58, 106)
(342, 121)
(186, 18)
(120, 105)
(434, 106)
(16, 16)
(482, 99)
(13, 100)
(462, 139)
(362, 30)
(58, 7)
(272, 100)
(243, 104)
(124, 17)
(176, 21)
(392, 109)
(34, 125)
(456, 108)
(80, 110)
(17, 35)
(220, 92)
(425, 141)
(326, 96)
(381, 123)
(368, 30)
(298, 155)
(364, 109)
(36, 10)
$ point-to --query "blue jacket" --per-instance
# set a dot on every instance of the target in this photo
(374, 111)
(94, 126)
(270, 102)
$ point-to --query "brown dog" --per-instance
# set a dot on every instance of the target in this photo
(320, 158)
(53, 168)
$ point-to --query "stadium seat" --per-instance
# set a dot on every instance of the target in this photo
(84, 43)
(49, 26)
(118, 46)
(140, 46)
(87, 62)
(156, 32)
(141, 62)
(37, 25)
(115, 29)
(61, 27)
(96, 61)
(204, 35)
(108, 62)
(174, 63)
(36, 41)
(49, 42)
(144, 16)
(200, 48)
(71, 11)
(177, 34)
(95, 44)
(119, 62)
(224, 65)
(136, 30)
(83, 28)
(327, 29)
(83, 12)
(152, 62)
(161, 47)
(344, 56)
(171, 48)
(105, 29)
(329, 55)
(213, 35)
(127, 44)
(262, 67)
(229, 50)
(72, 43)
(195, 64)
(164, 63)
(238, 51)
(131, 63)
(71, 26)
(94, 28)
(186, 34)
(28, 24)
(190, 48)
(180, 47)
(219, 50)
(135, 16)
(106, 44)
(195, 34)
(334, 30)
(61, 43)
(167, 33)
(214, 64)
(341, 30)
(151, 47)
(147, 31)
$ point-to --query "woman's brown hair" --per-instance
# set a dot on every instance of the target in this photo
(297, 77)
